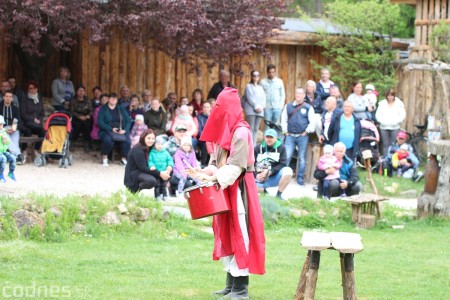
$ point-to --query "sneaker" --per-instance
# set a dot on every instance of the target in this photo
(343, 195)
(418, 177)
(19, 159)
(2, 178)
(301, 183)
(281, 197)
(105, 162)
(315, 188)
(265, 191)
(159, 198)
(123, 162)
(326, 198)
(11, 175)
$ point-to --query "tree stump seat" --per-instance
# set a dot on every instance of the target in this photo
(30, 141)
(363, 207)
(346, 243)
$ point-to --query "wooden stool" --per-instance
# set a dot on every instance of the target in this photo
(346, 243)
(363, 205)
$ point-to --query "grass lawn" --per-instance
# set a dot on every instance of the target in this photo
(172, 260)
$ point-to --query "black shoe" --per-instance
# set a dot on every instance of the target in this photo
(315, 188)
(239, 290)
(228, 286)
(19, 159)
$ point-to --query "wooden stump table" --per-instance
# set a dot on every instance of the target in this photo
(346, 243)
(365, 207)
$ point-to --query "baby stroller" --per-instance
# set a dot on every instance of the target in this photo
(56, 142)
(369, 140)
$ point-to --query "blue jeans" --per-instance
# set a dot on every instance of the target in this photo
(272, 115)
(302, 144)
(7, 157)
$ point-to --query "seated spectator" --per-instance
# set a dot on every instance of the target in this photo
(401, 161)
(13, 122)
(271, 164)
(184, 159)
(329, 114)
(336, 93)
(5, 156)
(6, 86)
(114, 123)
(16, 90)
(174, 141)
(138, 128)
(170, 103)
(192, 112)
(202, 118)
(96, 101)
(134, 108)
(401, 140)
(161, 161)
(81, 109)
(185, 119)
(146, 100)
(32, 115)
(346, 128)
(156, 118)
(95, 129)
(62, 89)
(138, 175)
(125, 97)
(224, 81)
(348, 181)
(197, 102)
(324, 84)
(328, 161)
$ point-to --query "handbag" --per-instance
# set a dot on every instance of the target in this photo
(117, 137)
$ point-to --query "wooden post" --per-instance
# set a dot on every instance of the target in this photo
(348, 277)
(311, 275)
(300, 293)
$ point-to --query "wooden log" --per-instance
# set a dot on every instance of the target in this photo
(300, 292)
(431, 175)
(311, 275)
(348, 277)
(366, 221)
(442, 206)
(312, 157)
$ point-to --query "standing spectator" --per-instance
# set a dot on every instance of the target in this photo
(134, 108)
(97, 92)
(62, 89)
(254, 103)
(32, 115)
(197, 102)
(6, 86)
(156, 118)
(315, 101)
(5, 156)
(114, 119)
(95, 129)
(13, 121)
(371, 100)
(224, 81)
(297, 121)
(336, 93)
(138, 175)
(202, 118)
(138, 128)
(347, 129)
(390, 114)
(160, 160)
(146, 100)
(324, 84)
(81, 109)
(16, 90)
(359, 104)
(329, 114)
(275, 95)
(124, 99)
(271, 164)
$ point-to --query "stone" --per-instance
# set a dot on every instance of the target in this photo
(55, 211)
(122, 208)
(78, 228)
(297, 213)
(111, 218)
(142, 214)
(409, 193)
(24, 218)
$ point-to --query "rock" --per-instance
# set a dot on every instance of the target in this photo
(83, 214)
(322, 213)
(409, 193)
(142, 214)
(124, 198)
(391, 189)
(78, 228)
(55, 211)
(24, 218)
(27, 205)
(297, 213)
(335, 212)
(111, 218)
(122, 208)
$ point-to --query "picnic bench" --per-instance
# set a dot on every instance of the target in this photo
(364, 208)
(346, 243)
(30, 141)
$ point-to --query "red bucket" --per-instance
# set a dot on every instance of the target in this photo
(206, 199)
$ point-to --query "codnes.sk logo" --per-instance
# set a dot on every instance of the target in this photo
(34, 290)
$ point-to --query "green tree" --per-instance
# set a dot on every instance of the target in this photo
(362, 50)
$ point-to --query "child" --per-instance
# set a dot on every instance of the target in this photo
(184, 154)
(5, 156)
(138, 128)
(370, 99)
(401, 161)
(160, 160)
(326, 161)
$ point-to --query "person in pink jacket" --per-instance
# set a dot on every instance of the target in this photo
(326, 161)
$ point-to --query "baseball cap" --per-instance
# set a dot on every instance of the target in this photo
(370, 87)
(180, 127)
(271, 132)
(401, 135)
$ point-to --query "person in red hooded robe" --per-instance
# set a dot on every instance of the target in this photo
(238, 235)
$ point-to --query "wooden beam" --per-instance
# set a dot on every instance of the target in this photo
(410, 2)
